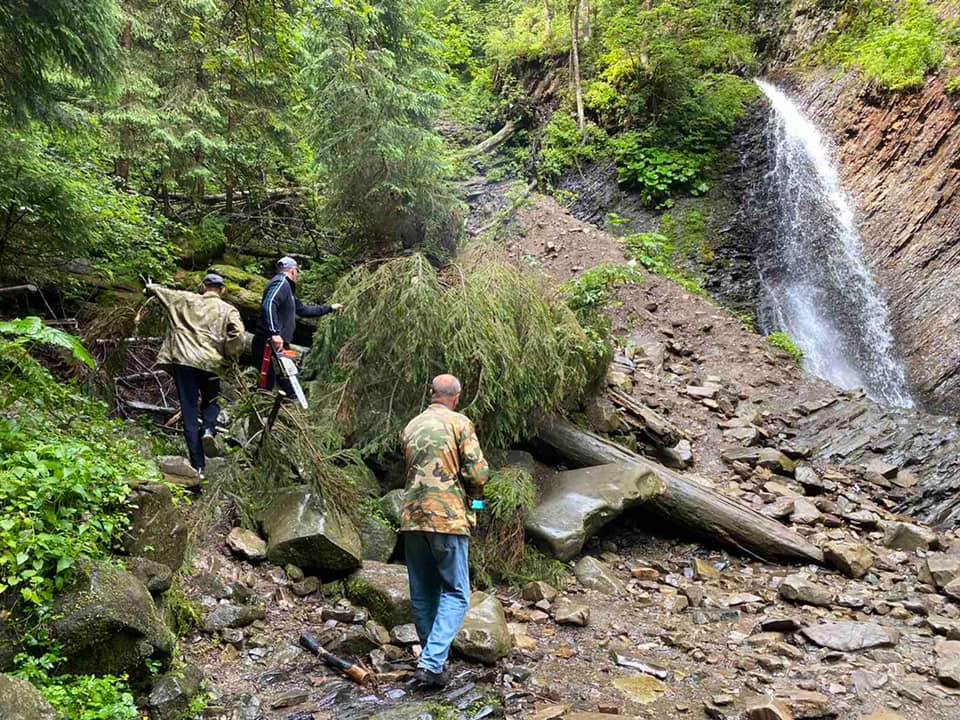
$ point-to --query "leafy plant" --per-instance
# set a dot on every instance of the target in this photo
(564, 146)
(782, 341)
(656, 172)
(658, 254)
(30, 330)
(590, 291)
(79, 697)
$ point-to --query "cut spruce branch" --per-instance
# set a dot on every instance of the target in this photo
(686, 502)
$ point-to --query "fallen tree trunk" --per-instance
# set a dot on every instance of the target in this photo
(492, 142)
(639, 417)
(686, 502)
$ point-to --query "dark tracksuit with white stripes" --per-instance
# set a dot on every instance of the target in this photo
(279, 311)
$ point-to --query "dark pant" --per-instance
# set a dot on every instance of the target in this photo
(439, 577)
(199, 391)
(259, 343)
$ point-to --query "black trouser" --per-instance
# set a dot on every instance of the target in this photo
(259, 343)
(199, 391)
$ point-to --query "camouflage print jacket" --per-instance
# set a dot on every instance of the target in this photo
(445, 466)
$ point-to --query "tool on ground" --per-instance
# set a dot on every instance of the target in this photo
(285, 367)
(357, 673)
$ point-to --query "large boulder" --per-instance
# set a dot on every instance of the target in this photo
(171, 693)
(906, 536)
(158, 528)
(392, 506)
(107, 623)
(377, 537)
(19, 700)
(597, 575)
(940, 570)
(484, 636)
(384, 590)
(575, 504)
(301, 531)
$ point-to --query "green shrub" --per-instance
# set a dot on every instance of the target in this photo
(517, 349)
(894, 43)
(658, 254)
(591, 290)
(784, 342)
(564, 146)
(79, 697)
(509, 492)
(657, 172)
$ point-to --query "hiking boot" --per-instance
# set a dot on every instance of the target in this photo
(431, 679)
(209, 441)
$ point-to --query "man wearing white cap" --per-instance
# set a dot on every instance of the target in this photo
(279, 312)
(203, 331)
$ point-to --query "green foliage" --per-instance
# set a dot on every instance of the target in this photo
(591, 291)
(656, 172)
(518, 351)
(372, 83)
(30, 330)
(953, 85)
(185, 615)
(80, 697)
(63, 222)
(508, 492)
(48, 45)
(65, 470)
(563, 146)
(782, 341)
(896, 44)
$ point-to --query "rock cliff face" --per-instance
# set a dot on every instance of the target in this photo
(900, 161)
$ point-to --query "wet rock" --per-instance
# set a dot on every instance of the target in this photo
(384, 590)
(602, 415)
(760, 457)
(948, 662)
(170, 694)
(802, 589)
(307, 586)
(19, 700)
(404, 634)
(158, 528)
(905, 536)
(597, 575)
(301, 531)
(377, 538)
(851, 636)
(852, 559)
(484, 636)
(247, 544)
(107, 623)
(806, 705)
(157, 577)
(577, 503)
(940, 570)
(568, 612)
(293, 573)
(392, 506)
(538, 590)
(766, 708)
(232, 616)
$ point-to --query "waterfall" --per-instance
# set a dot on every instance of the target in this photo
(818, 287)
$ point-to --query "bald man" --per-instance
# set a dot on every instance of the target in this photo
(445, 471)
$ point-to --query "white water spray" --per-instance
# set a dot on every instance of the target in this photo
(819, 289)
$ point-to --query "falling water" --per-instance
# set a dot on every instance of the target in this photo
(818, 287)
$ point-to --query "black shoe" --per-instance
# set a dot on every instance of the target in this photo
(431, 679)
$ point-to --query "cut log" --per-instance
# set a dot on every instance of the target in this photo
(686, 502)
(660, 430)
(138, 406)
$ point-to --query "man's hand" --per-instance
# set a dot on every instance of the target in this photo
(277, 342)
(337, 307)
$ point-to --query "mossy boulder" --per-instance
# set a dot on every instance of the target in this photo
(171, 693)
(107, 623)
(484, 636)
(377, 537)
(19, 700)
(158, 528)
(302, 531)
(392, 506)
(245, 290)
(384, 590)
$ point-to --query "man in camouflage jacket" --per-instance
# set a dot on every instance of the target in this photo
(445, 471)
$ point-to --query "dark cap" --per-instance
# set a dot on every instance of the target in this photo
(213, 280)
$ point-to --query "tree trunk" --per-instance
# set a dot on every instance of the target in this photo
(586, 19)
(575, 62)
(686, 502)
(547, 18)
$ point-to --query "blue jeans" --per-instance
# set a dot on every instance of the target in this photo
(439, 591)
